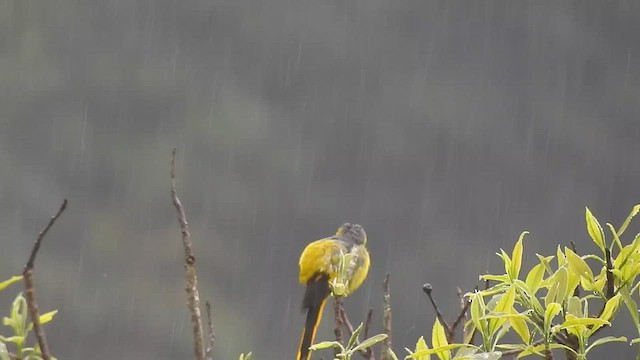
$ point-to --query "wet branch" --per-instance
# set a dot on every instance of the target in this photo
(337, 311)
(193, 296)
(212, 335)
(386, 320)
(30, 289)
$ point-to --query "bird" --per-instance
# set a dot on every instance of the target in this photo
(320, 265)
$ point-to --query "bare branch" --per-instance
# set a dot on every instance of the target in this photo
(30, 292)
(193, 296)
(212, 335)
(427, 288)
(337, 310)
(367, 325)
(386, 320)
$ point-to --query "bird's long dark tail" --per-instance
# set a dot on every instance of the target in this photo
(315, 297)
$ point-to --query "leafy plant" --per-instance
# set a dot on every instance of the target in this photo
(552, 307)
(353, 345)
(20, 326)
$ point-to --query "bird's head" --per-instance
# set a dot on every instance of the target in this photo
(353, 233)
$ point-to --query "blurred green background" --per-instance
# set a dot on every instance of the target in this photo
(445, 128)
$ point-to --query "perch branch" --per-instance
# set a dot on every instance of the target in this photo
(193, 296)
(386, 320)
(30, 292)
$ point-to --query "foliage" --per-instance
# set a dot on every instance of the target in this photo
(553, 307)
(353, 345)
(18, 322)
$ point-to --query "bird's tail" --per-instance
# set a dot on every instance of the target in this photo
(315, 297)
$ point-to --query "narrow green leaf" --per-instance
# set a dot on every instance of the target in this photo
(354, 337)
(595, 230)
(393, 354)
(326, 345)
(610, 307)
(12, 280)
(577, 265)
(45, 318)
(626, 223)
(516, 257)
(546, 261)
(437, 350)
(604, 340)
(370, 342)
(534, 279)
(439, 340)
(503, 306)
(563, 285)
(421, 345)
(506, 260)
(616, 238)
(519, 325)
(497, 278)
(478, 309)
(552, 310)
(494, 355)
(631, 306)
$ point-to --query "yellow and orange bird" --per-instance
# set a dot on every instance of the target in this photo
(319, 266)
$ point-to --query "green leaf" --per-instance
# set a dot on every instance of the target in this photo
(534, 278)
(494, 355)
(506, 260)
(478, 309)
(439, 340)
(519, 325)
(393, 354)
(631, 306)
(370, 342)
(574, 307)
(604, 340)
(616, 238)
(4, 353)
(516, 257)
(577, 265)
(503, 306)
(562, 278)
(45, 318)
(610, 307)
(594, 229)
(421, 345)
(437, 350)
(12, 280)
(572, 321)
(354, 337)
(498, 278)
(546, 261)
(552, 310)
(626, 223)
(326, 345)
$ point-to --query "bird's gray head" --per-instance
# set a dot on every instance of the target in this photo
(353, 233)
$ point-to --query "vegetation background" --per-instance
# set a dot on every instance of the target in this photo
(445, 128)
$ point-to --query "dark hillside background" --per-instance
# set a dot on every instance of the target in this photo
(445, 128)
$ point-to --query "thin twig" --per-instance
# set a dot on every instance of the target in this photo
(43, 232)
(464, 307)
(193, 296)
(367, 325)
(337, 310)
(386, 320)
(610, 278)
(427, 288)
(30, 292)
(212, 335)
